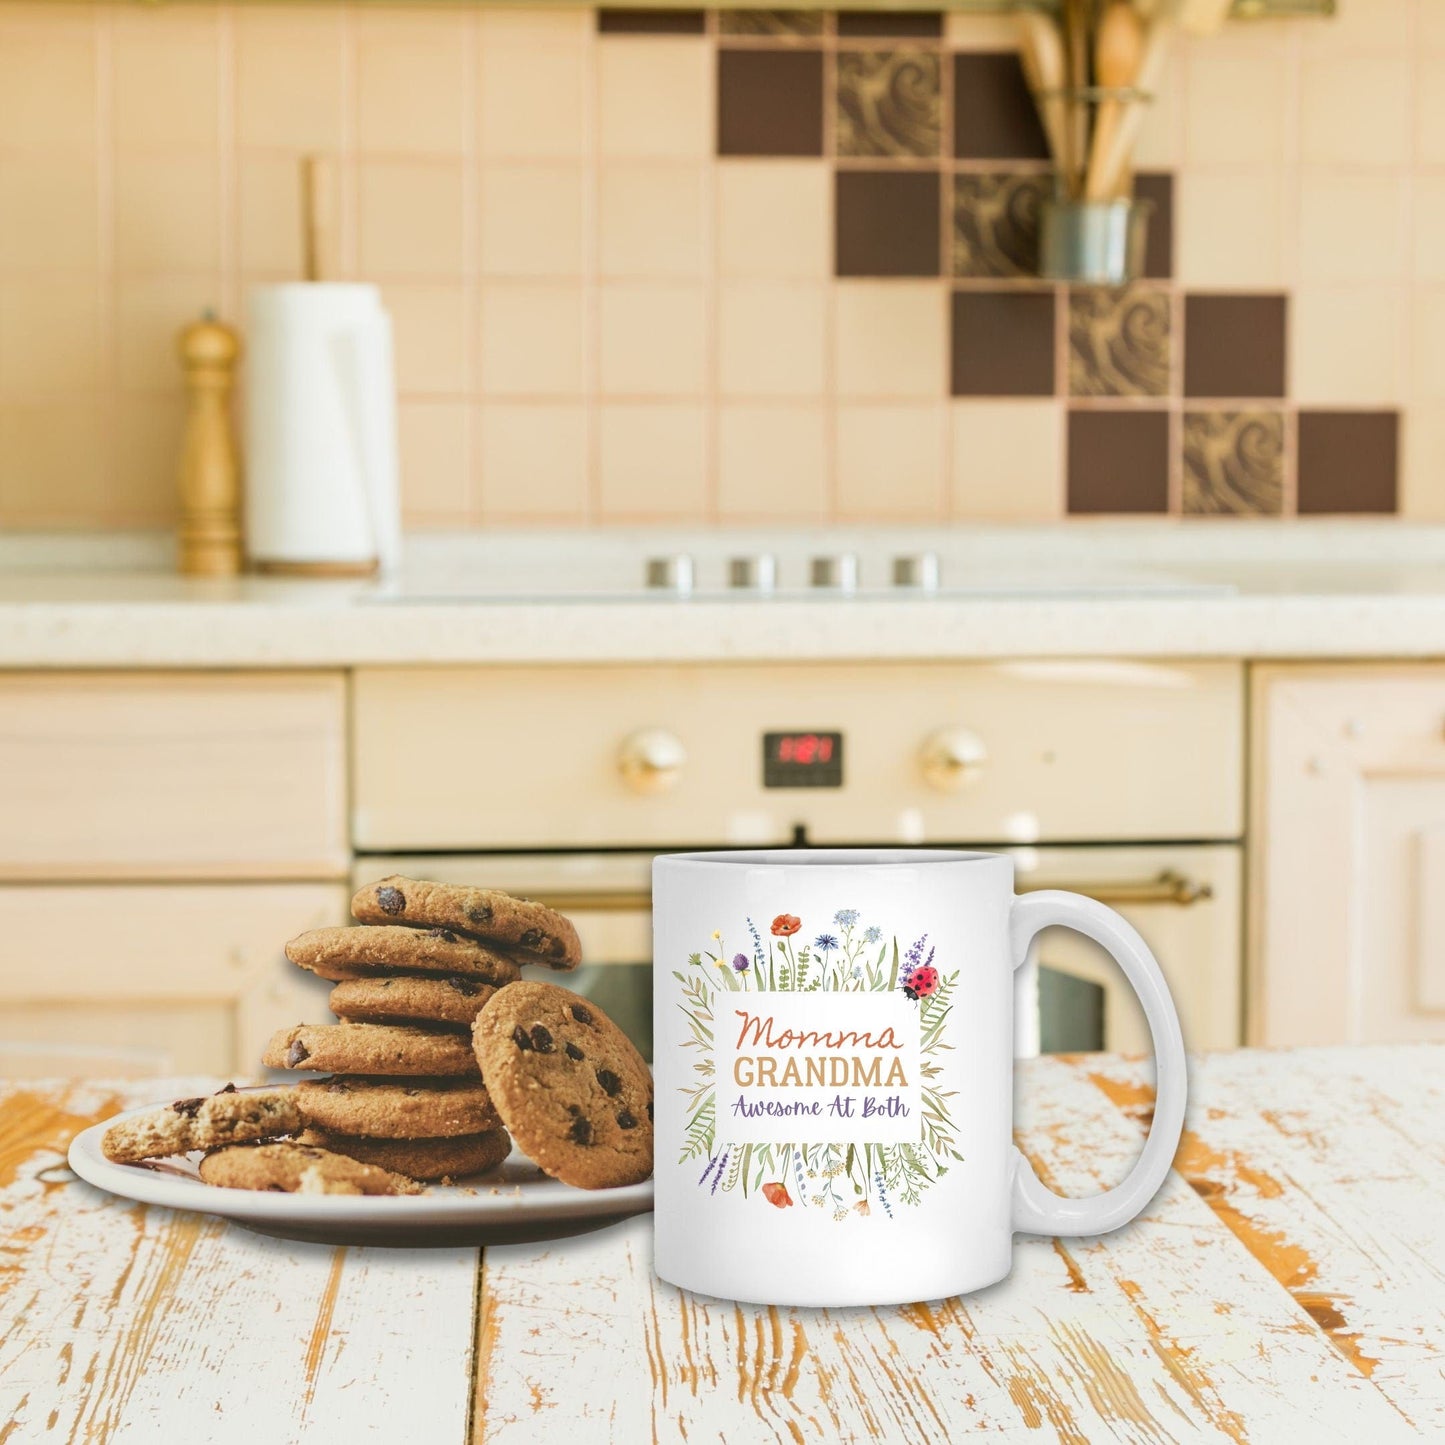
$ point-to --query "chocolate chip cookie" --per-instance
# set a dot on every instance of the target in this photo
(568, 1083)
(233, 1116)
(296, 1168)
(453, 1158)
(453, 1002)
(517, 924)
(382, 1109)
(347, 953)
(385, 1049)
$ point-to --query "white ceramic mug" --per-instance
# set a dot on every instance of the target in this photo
(833, 1062)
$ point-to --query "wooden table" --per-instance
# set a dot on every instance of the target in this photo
(1288, 1284)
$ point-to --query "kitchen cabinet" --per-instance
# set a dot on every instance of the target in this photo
(1347, 872)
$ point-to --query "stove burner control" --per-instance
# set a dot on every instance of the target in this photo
(652, 760)
(837, 572)
(916, 570)
(670, 574)
(758, 573)
(952, 758)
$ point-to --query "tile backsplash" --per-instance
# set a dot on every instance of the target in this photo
(738, 266)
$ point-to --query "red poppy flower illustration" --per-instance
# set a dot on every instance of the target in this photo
(776, 1194)
(785, 925)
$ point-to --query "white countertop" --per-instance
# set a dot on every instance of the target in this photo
(1208, 589)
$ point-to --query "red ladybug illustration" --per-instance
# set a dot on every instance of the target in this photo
(921, 982)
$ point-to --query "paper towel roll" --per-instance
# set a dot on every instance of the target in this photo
(321, 467)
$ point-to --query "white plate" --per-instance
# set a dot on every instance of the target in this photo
(514, 1203)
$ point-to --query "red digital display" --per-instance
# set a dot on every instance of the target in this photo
(805, 749)
(803, 760)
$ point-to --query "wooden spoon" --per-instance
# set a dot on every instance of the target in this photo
(1118, 54)
(1042, 54)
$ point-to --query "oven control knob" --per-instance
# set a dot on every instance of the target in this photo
(952, 758)
(651, 761)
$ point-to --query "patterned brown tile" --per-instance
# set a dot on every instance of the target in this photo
(887, 223)
(1118, 461)
(1233, 463)
(770, 103)
(891, 23)
(770, 22)
(651, 22)
(1348, 461)
(996, 224)
(1158, 188)
(1119, 341)
(993, 113)
(1234, 346)
(1003, 343)
(890, 103)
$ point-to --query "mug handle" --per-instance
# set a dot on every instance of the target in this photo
(1037, 1210)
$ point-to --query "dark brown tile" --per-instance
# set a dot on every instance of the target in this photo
(890, 23)
(1003, 343)
(1233, 463)
(1118, 461)
(993, 113)
(1119, 341)
(770, 103)
(887, 223)
(890, 103)
(1348, 461)
(1234, 346)
(1158, 188)
(770, 22)
(651, 22)
(996, 223)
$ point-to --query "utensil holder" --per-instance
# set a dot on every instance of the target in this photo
(1098, 243)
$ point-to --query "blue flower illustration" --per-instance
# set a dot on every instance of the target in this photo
(825, 943)
(846, 917)
(873, 934)
(741, 963)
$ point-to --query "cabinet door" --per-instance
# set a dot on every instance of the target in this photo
(154, 979)
(1347, 923)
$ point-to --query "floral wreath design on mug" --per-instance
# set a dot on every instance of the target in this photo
(843, 1179)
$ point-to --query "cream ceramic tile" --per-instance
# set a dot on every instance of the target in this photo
(963, 31)
(652, 339)
(534, 463)
(48, 88)
(890, 339)
(652, 462)
(1422, 464)
(535, 25)
(650, 219)
(1355, 111)
(1007, 460)
(50, 334)
(433, 439)
(1430, 25)
(413, 80)
(532, 101)
(1160, 144)
(532, 219)
(1234, 107)
(772, 339)
(774, 218)
(1352, 227)
(890, 461)
(268, 213)
(150, 313)
(1229, 228)
(49, 213)
(772, 463)
(654, 97)
(165, 75)
(532, 339)
(1430, 110)
(290, 75)
(147, 453)
(1427, 325)
(167, 214)
(52, 463)
(1428, 228)
(410, 218)
(1347, 346)
(1361, 26)
(430, 326)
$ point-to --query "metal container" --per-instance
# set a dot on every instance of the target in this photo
(1099, 243)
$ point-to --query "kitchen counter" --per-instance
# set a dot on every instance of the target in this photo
(1284, 1285)
(1304, 590)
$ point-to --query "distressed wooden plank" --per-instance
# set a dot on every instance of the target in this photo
(125, 1323)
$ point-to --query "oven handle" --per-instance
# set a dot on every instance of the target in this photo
(1168, 887)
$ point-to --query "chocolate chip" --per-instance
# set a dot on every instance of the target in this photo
(391, 901)
(444, 933)
(479, 913)
(188, 1107)
(611, 1084)
(573, 1052)
(581, 1131)
(626, 1120)
(229, 1089)
(465, 986)
(338, 1086)
(387, 982)
(519, 1037)
(542, 1040)
(296, 1054)
(574, 1109)
(532, 938)
(649, 1111)
(582, 1015)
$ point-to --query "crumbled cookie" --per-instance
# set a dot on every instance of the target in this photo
(447, 1158)
(386, 1109)
(568, 1083)
(385, 1049)
(450, 1001)
(233, 1116)
(360, 952)
(284, 1167)
(533, 929)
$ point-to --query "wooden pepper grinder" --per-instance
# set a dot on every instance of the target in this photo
(210, 482)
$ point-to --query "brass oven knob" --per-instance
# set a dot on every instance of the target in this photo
(952, 758)
(652, 760)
